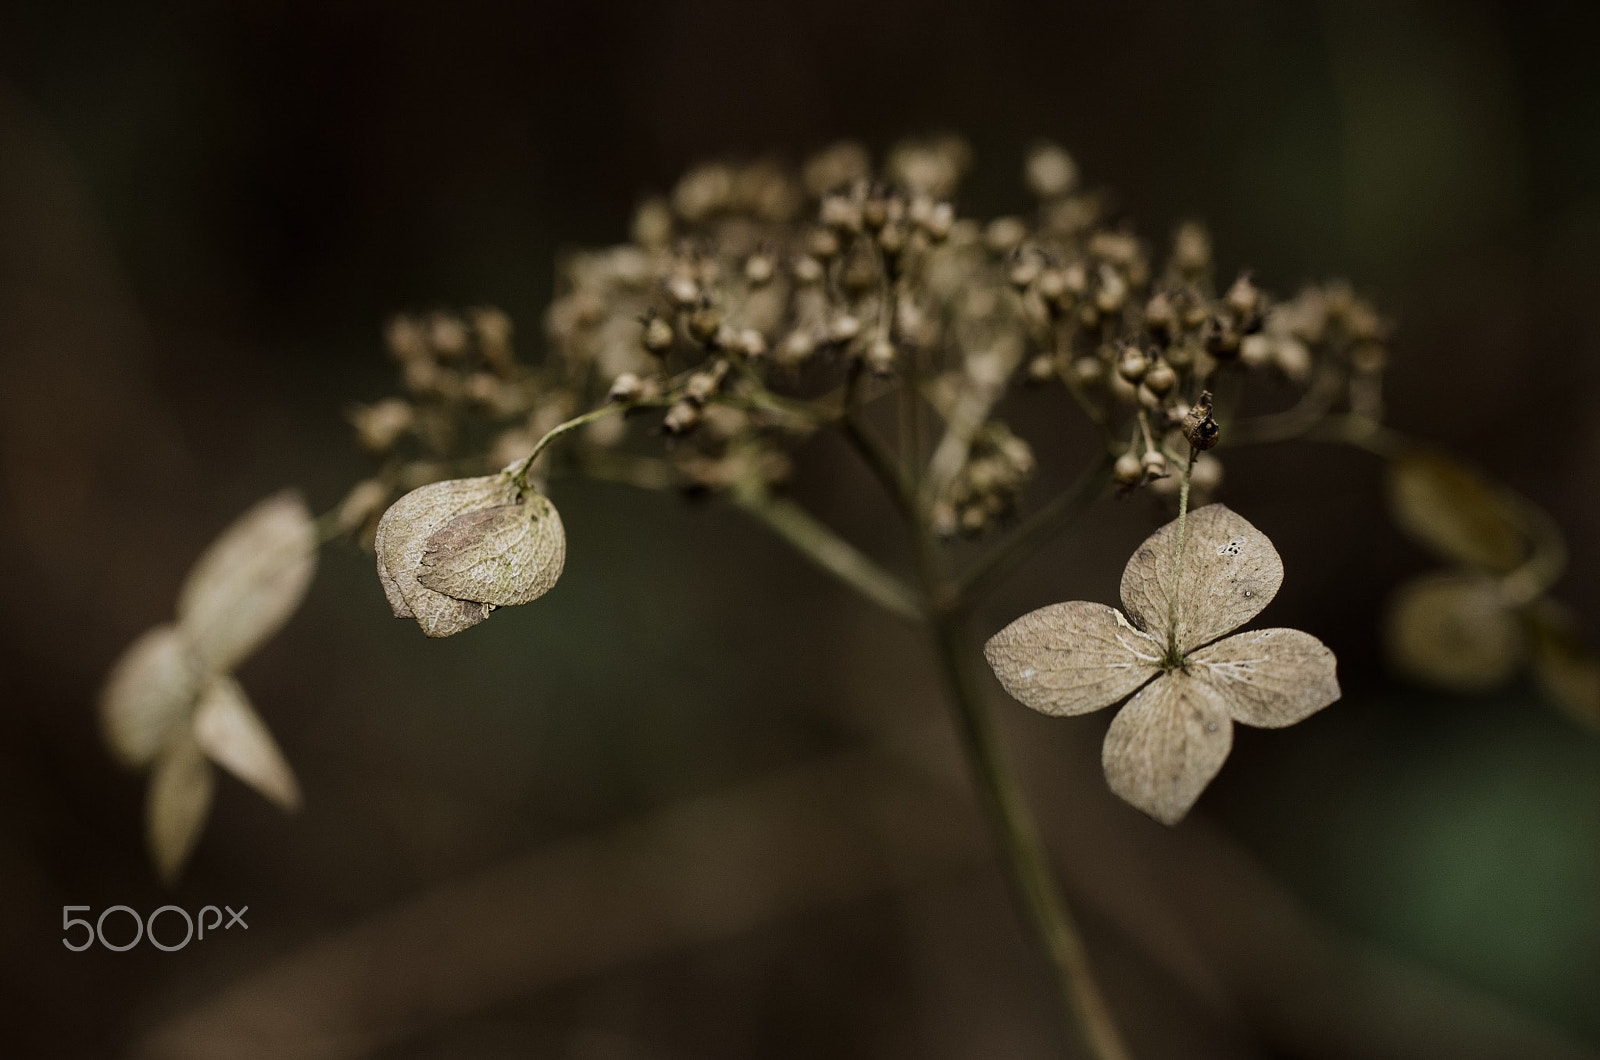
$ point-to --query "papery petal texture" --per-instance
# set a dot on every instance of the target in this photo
(402, 539)
(148, 694)
(177, 804)
(1163, 748)
(1269, 678)
(1230, 572)
(249, 581)
(505, 555)
(232, 735)
(1072, 658)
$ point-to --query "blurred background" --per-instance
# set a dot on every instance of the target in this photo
(700, 801)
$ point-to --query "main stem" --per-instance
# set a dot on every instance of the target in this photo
(1022, 849)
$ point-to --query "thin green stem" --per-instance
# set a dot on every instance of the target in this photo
(831, 552)
(519, 470)
(1022, 850)
(1177, 571)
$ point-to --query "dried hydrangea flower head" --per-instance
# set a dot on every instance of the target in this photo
(450, 552)
(1191, 681)
(169, 703)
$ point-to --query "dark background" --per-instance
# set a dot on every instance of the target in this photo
(206, 212)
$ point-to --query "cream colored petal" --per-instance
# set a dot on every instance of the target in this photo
(505, 555)
(1072, 658)
(402, 538)
(1269, 677)
(148, 695)
(1164, 747)
(177, 804)
(232, 735)
(1454, 631)
(1230, 572)
(246, 585)
(391, 588)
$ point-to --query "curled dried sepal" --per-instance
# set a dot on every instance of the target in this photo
(452, 551)
(1454, 631)
(506, 555)
(231, 734)
(148, 695)
(177, 804)
(1454, 512)
(246, 585)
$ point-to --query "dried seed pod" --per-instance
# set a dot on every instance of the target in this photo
(880, 358)
(657, 334)
(625, 389)
(1132, 364)
(1128, 471)
(1199, 427)
(681, 418)
(1160, 378)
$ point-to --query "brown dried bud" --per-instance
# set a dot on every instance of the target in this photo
(625, 390)
(1132, 364)
(1128, 471)
(1199, 427)
(1041, 369)
(1154, 464)
(704, 322)
(758, 269)
(380, 425)
(657, 336)
(681, 418)
(447, 334)
(1160, 378)
(880, 358)
(1087, 371)
(808, 271)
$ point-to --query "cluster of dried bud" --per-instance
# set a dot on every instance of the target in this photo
(170, 703)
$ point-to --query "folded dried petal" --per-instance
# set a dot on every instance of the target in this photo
(232, 735)
(505, 555)
(1163, 748)
(1269, 677)
(1230, 572)
(246, 585)
(1072, 658)
(148, 694)
(1454, 631)
(402, 538)
(176, 806)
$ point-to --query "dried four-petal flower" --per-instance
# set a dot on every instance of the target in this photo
(1188, 686)
(168, 702)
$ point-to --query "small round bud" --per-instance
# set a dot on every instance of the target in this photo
(1052, 284)
(823, 244)
(808, 271)
(1004, 235)
(682, 289)
(758, 269)
(939, 221)
(657, 335)
(1191, 249)
(1113, 291)
(1132, 364)
(1255, 350)
(875, 212)
(880, 358)
(682, 418)
(1154, 464)
(652, 224)
(796, 348)
(1243, 299)
(1050, 171)
(892, 239)
(844, 328)
(625, 390)
(1041, 369)
(1025, 267)
(379, 426)
(1159, 316)
(840, 213)
(751, 343)
(1160, 378)
(1128, 471)
(973, 520)
(704, 322)
(447, 334)
(1087, 371)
